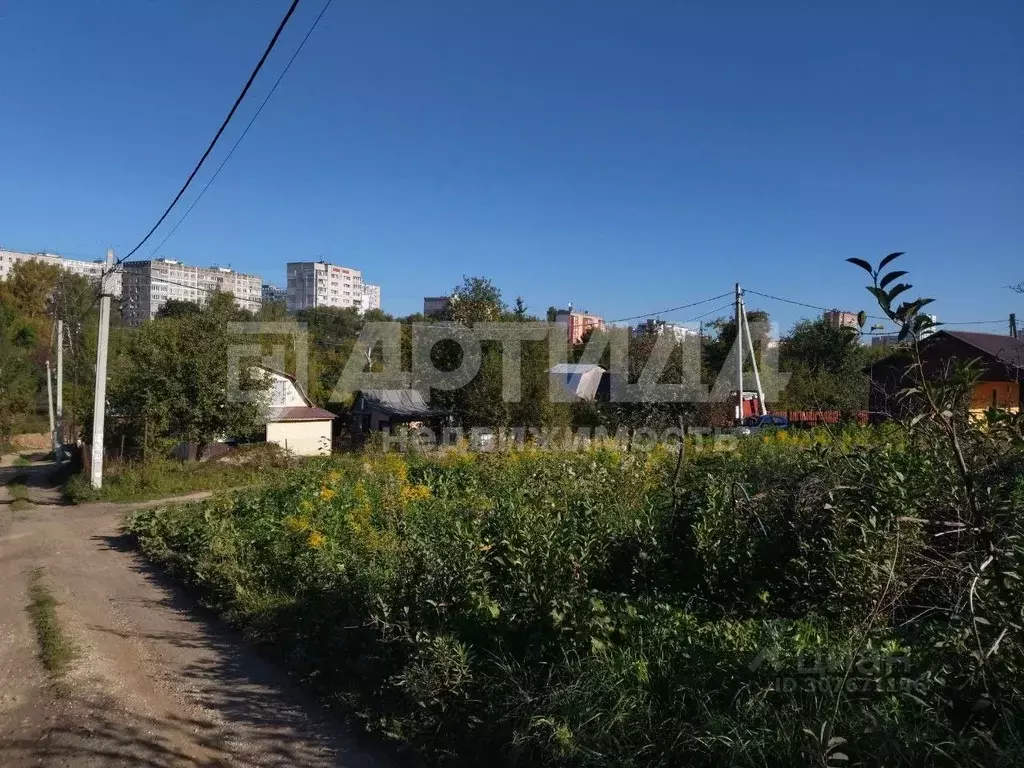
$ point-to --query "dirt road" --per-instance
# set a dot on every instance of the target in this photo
(155, 681)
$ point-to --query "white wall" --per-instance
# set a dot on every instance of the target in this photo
(303, 438)
(282, 390)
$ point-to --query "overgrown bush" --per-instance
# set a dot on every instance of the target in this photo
(159, 478)
(779, 605)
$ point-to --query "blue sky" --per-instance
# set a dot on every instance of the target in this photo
(622, 156)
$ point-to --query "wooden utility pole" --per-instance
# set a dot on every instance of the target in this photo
(60, 391)
(1013, 325)
(100, 391)
(739, 354)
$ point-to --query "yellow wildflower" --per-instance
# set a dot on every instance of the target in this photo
(297, 524)
(316, 540)
(326, 494)
(415, 493)
(333, 477)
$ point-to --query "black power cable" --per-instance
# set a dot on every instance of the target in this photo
(213, 142)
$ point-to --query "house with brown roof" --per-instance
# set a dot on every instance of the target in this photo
(1000, 359)
(293, 421)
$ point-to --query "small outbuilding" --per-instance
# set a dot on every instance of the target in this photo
(1000, 358)
(584, 381)
(293, 422)
(377, 410)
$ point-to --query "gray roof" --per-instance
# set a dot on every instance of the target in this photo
(395, 402)
(581, 379)
(1005, 349)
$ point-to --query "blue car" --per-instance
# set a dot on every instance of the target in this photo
(753, 424)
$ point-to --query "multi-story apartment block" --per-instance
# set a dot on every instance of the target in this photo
(371, 297)
(319, 284)
(90, 269)
(837, 318)
(273, 293)
(578, 323)
(148, 285)
(660, 328)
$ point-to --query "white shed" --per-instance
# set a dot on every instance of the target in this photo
(293, 422)
(581, 380)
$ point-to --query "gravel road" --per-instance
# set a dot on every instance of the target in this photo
(156, 682)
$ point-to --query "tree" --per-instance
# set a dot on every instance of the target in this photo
(172, 380)
(520, 309)
(476, 299)
(178, 308)
(719, 343)
(826, 366)
(18, 375)
(33, 298)
(271, 311)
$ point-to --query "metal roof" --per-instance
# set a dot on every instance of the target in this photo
(299, 413)
(581, 379)
(1005, 349)
(395, 402)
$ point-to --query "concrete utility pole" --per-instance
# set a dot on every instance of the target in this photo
(60, 391)
(762, 407)
(49, 405)
(1013, 325)
(100, 392)
(739, 354)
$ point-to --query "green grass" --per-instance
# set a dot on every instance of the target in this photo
(56, 651)
(21, 461)
(18, 492)
(164, 478)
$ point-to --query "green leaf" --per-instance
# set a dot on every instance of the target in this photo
(881, 296)
(887, 259)
(862, 264)
(898, 289)
(892, 276)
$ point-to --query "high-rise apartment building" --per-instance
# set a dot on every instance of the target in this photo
(371, 297)
(662, 328)
(148, 285)
(578, 323)
(320, 284)
(837, 318)
(273, 293)
(89, 269)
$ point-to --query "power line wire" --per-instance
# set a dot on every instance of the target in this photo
(670, 309)
(246, 130)
(223, 125)
(872, 317)
(800, 303)
(709, 312)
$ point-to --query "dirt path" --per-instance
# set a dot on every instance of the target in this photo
(156, 682)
